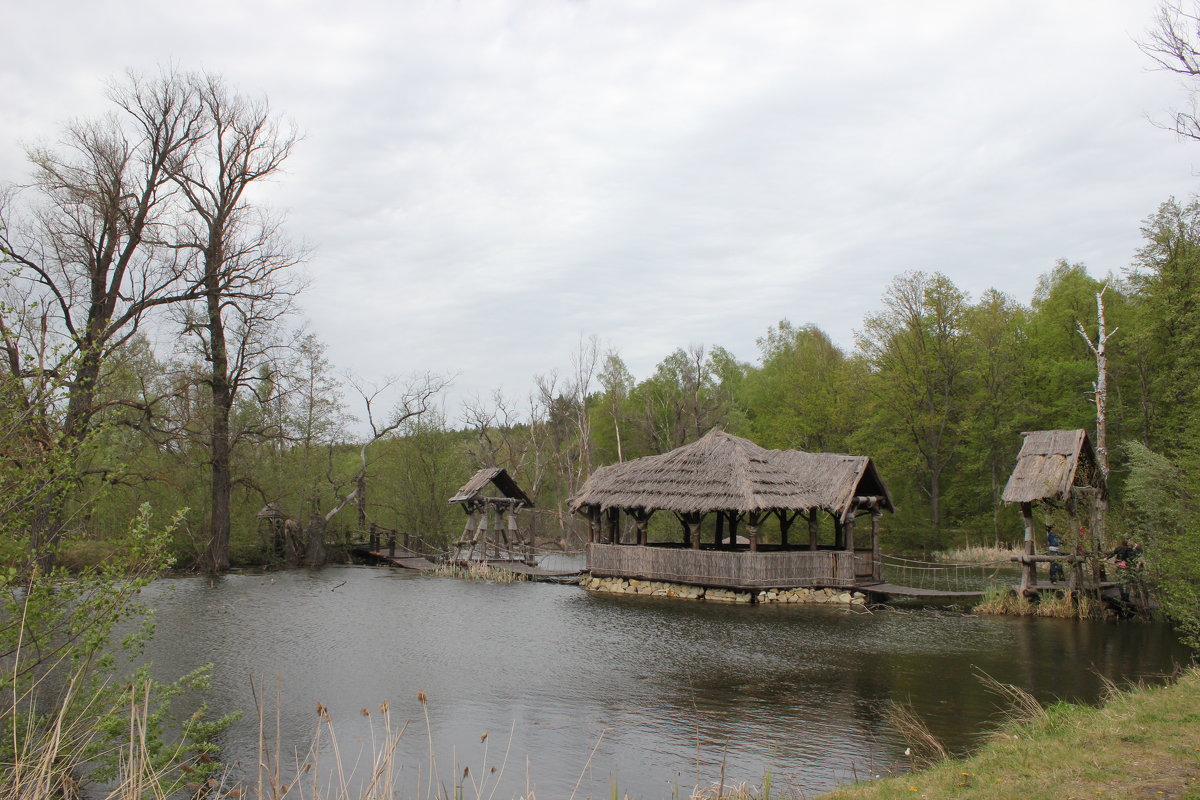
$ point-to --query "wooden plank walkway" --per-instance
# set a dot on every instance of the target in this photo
(913, 591)
(534, 572)
(404, 558)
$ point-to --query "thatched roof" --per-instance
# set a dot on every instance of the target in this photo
(1050, 465)
(494, 476)
(720, 472)
(271, 511)
(831, 481)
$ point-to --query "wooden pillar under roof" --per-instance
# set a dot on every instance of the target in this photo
(752, 521)
(1029, 568)
(693, 523)
(720, 529)
(876, 565)
(848, 532)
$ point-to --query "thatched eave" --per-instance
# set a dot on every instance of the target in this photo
(491, 476)
(720, 472)
(1052, 466)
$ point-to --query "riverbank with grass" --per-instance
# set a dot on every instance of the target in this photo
(1143, 742)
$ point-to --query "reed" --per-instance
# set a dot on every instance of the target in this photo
(977, 554)
(1002, 600)
(477, 572)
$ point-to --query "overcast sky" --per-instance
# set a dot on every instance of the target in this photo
(483, 183)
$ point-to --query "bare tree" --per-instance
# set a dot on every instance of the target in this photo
(416, 399)
(240, 259)
(1174, 45)
(1099, 348)
(93, 250)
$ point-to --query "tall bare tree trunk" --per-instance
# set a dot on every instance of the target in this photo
(1099, 348)
(220, 447)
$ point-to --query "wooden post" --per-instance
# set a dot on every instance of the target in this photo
(720, 529)
(848, 533)
(1029, 571)
(785, 522)
(693, 523)
(814, 528)
(839, 534)
(614, 525)
(752, 531)
(644, 531)
(392, 544)
(876, 561)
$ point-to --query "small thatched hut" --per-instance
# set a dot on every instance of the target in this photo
(1053, 467)
(491, 500)
(738, 482)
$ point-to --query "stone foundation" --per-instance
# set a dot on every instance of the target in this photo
(686, 592)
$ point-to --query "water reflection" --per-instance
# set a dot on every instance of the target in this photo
(649, 692)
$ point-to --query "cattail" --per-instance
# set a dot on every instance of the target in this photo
(421, 698)
(484, 737)
(365, 712)
(383, 707)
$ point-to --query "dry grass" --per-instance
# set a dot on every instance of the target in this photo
(1144, 743)
(924, 749)
(977, 554)
(477, 572)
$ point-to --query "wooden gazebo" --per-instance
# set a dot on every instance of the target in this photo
(1053, 467)
(740, 483)
(491, 500)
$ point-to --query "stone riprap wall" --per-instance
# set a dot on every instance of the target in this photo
(686, 592)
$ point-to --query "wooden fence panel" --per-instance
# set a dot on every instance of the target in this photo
(728, 569)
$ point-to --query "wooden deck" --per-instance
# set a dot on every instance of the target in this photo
(733, 569)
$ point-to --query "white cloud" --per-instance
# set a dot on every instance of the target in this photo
(485, 181)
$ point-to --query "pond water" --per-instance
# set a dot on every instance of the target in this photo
(583, 691)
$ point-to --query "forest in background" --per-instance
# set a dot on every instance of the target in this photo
(145, 221)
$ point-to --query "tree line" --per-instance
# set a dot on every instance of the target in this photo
(146, 221)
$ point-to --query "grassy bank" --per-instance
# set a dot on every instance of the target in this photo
(1143, 743)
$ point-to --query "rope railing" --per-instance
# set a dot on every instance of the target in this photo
(959, 576)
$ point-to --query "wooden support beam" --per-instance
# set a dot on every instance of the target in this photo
(814, 529)
(876, 562)
(1029, 572)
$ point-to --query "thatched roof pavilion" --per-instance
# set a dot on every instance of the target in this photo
(738, 481)
(1053, 467)
(720, 473)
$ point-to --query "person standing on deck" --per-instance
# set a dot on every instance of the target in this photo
(1053, 547)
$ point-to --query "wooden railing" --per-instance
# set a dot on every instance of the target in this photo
(733, 569)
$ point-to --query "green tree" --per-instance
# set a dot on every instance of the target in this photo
(918, 354)
(691, 391)
(1165, 280)
(1000, 356)
(1161, 511)
(803, 395)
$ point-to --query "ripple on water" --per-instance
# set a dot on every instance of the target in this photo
(653, 692)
